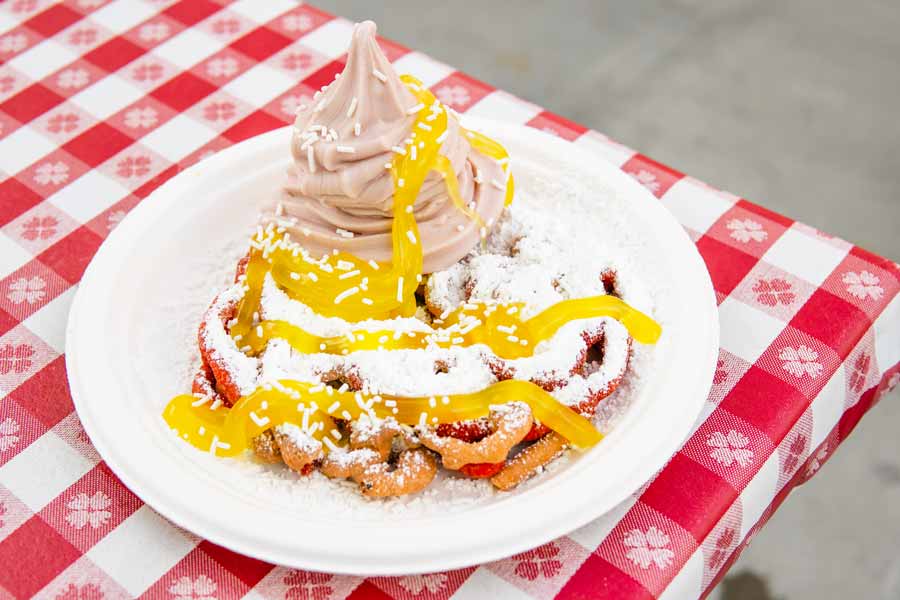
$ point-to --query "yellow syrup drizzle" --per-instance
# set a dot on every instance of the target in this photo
(345, 286)
(498, 326)
(314, 407)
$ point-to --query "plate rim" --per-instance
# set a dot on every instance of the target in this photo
(181, 516)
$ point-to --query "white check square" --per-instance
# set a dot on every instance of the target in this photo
(177, 138)
(43, 470)
(23, 147)
(803, 255)
(696, 205)
(259, 85)
(758, 494)
(746, 332)
(12, 255)
(485, 584)
(49, 323)
(119, 17)
(331, 39)
(262, 12)
(108, 96)
(827, 407)
(42, 59)
(504, 107)
(887, 350)
(188, 48)
(422, 67)
(601, 145)
(88, 196)
(140, 550)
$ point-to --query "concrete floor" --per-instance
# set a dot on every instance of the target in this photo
(789, 104)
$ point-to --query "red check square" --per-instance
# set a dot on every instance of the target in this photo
(97, 144)
(261, 43)
(46, 395)
(596, 573)
(325, 75)
(31, 102)
(553, 123)
(654, 176)
(183, 91)
(53, 20)
(832, 320)
(192, 11)
(727, 266)
(17, 198)
(114, 54)
(765, 401)
(256, 123)
(70, 256)
(38, 552)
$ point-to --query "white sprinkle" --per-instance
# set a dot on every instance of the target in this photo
(259, 331)
(411, 236)
(412, 153)
(330, 444)
(379, 75)
(513, 339)
(421, 144)
(409, 209)
(423, 126)
(295, 276)
(423, 418)
(357, 129)
(336, 405)
(497, 184)
(260, 421)
(346, 149)
(352, 107)
(399, 150)
(457, 340)
(373, 264)
(445, 400)
(432, 402)
(201, 430)
(345, 265)
(506, 329)
(388, 165)
(336, 434)
(440, 139)
(343, 233)
(512, 310)
(344, 387)
(400, 289)
(312, 276)
(310, 159)
(401, 182)
(348, 274)
(483, 232)
(523, 342)
(367, 301)
(346, 414)
(216, 404)
(460, 227)
(322, 346)
(414, 109)
(306, 231)
(200, 401)
(279, 209)
(345, 294)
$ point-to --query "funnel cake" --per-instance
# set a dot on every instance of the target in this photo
(397, 314)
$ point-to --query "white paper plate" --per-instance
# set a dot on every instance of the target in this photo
(119, 380)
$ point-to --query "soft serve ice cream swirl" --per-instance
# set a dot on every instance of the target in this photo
(340, 192)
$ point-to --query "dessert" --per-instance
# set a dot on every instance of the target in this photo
(396, 314)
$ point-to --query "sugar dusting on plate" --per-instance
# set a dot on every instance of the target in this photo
(554, 258)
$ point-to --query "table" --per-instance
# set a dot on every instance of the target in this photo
(101, 102)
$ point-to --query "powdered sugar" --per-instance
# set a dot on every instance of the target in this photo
(591, 218)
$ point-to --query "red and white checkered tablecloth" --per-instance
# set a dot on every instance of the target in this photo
(101, 102)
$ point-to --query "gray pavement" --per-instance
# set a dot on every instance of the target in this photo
(792, 105)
